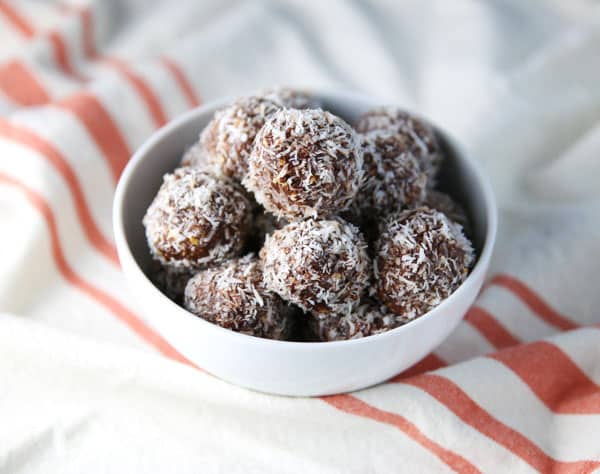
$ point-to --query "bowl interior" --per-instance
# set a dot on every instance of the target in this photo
(162, 153)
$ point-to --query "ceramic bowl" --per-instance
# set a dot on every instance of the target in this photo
(281, 367)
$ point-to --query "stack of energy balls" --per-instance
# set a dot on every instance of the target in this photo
(285, 222)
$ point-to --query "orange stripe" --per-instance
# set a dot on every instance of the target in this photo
(429, 363)
(61, 56)
(534, 302)
(101, 127)
(457, 401)
(355, 406)
(19, 84)
(558, 382)
(104, 299)
(147, 95)
(87, 28)
(490, 328)
(184, 84)
(59, 47)
(17, 20)
(48, 151)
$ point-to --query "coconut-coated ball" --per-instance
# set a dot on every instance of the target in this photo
(370, 318)
(414, 135)
(322, 266)
(234, 296)
(226, 142)
(454, 211)
(205, 152)
(393, 178)
(197, 219)
(422, 257)
(305, 163)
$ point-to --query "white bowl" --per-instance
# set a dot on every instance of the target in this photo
(281, 367)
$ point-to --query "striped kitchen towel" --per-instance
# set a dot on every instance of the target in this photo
(87, 386)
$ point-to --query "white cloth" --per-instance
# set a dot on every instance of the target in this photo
(83, 387)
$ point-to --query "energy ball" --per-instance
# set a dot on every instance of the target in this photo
(291, 98)
(370, 318)
(393, 176)
(422, 257)
(414, 136)
(321, 266)
(444, 203)
(196, 220)
(234, 297)
(305, 163)
(226, 142)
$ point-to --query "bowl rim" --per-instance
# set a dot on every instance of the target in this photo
(157, 136)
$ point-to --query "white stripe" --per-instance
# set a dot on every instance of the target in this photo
(463, 344)
(6, 105)
(515, 315)
(166, 89)
(124, 104)
(40, 61)
(444, 427)
(189, 414)
(68, 136)
(42, 16)
(11, 39)
(28, 167)
(71, 31)
(191, 70)
(80, 254)
(564, 437)
(43, 294)
(578, 345)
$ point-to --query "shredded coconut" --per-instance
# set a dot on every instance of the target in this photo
(235, 297)
(393, 175)
(370, 318)
(291, 98)
(226, 142)
(419, 137)
(197, 219)
(444, 203)
(422, 257)
(321, 266)
(305, 163)
(306, 167)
